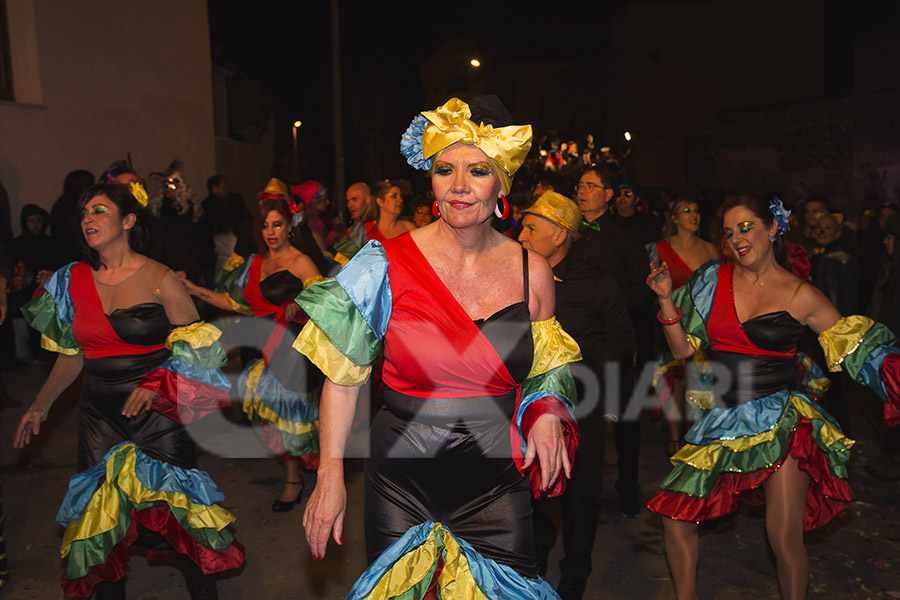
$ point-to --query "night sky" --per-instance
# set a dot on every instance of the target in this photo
(286, 47)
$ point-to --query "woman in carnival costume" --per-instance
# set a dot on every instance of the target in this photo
(477, 386)
(765, 439)
(279, 391)
(150, 367)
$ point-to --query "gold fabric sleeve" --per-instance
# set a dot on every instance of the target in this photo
(842, 338)
(315, 345)
(48, 344)
(552, 346)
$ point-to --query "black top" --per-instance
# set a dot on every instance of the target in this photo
(775, 331)
(279, 287)
(143, 324)
(621, 254)
(591, 309)
(509, 332)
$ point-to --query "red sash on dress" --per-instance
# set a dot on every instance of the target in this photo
(91, 327)
(726, 333)
(678, 269)
(433, 349)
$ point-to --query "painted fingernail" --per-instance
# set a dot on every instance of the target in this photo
(341, 541)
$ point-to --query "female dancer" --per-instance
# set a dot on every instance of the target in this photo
(277, 390)
(766, 440)
(388, 224)
(113, 316)
(476, 385)
(684, 252)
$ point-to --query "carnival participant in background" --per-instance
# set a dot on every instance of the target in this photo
(683, 251)
(589, 304)
(476, 382)
(766, 439)
(390, 222)
(150, 366)
(280, 390)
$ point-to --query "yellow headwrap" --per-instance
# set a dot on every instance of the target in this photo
(506, 147)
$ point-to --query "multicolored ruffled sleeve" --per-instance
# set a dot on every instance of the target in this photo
(548, 389)
(348, 316)
(868, 353)
(694, 300)
(232, 279)
(52, 313)
(190, 382)
(128, 490)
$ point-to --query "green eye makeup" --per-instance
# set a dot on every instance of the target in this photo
(744, 227)
(98, 209)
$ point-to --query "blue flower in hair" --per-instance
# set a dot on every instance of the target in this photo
(411, 144)
(781, 215)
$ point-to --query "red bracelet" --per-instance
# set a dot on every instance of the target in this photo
(668, 321)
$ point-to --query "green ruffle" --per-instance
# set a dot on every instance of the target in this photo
(332, 310)
(878, 335)
(558, 381)
(228, 281)
(293, 444)
(691, 321)
(209, 357)
(84, 554)
(685, 479)
(41, 314)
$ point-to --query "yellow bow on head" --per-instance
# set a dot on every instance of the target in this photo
(140, 194)
(506, 147)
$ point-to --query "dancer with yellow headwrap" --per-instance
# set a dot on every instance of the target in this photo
(477, 387)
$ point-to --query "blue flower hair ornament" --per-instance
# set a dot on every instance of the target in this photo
(411, 144)
(781, 215)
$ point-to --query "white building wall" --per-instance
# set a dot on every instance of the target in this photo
(114, 77)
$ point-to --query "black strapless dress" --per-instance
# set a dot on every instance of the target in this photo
(110, 380)
(467, 482)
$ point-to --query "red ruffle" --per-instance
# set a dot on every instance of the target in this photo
(181, 399)
(826, 496)
(552, 406)
(160, 519)
(890, 374)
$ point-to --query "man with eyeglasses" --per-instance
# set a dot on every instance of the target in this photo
(607, 245)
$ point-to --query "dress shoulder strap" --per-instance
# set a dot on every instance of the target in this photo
(525, 271)
(794, 295)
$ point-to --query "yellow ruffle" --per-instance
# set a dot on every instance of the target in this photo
(233, 262)
(314, 279)
(315, 345)
(842, 338)
(455, 580)
(254, 404)
(102, 512)
(696, 342)
(341, 259)
(238, 307)
(706, 457)
(552, 346)
(199, 335)
(48, 344)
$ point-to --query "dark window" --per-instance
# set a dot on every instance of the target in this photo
(6, 84)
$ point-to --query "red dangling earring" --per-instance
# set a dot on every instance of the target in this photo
(435, 211)
(502, 213)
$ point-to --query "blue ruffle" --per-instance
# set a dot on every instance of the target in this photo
(411, 144)
(747, 419)
(213, 377)
(494, 580)
(243, 272)
(704, 287)
(153, 474)
(58, 288)
(365, 280)
(288, 405)
(871, 370)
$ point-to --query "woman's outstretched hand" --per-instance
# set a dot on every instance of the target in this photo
(324, 514)
(660, 280)
(29, 425)
(137, 402)
(547, 444)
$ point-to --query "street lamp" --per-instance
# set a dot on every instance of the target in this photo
(627, 136)
(475, 63)
(297, 125)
